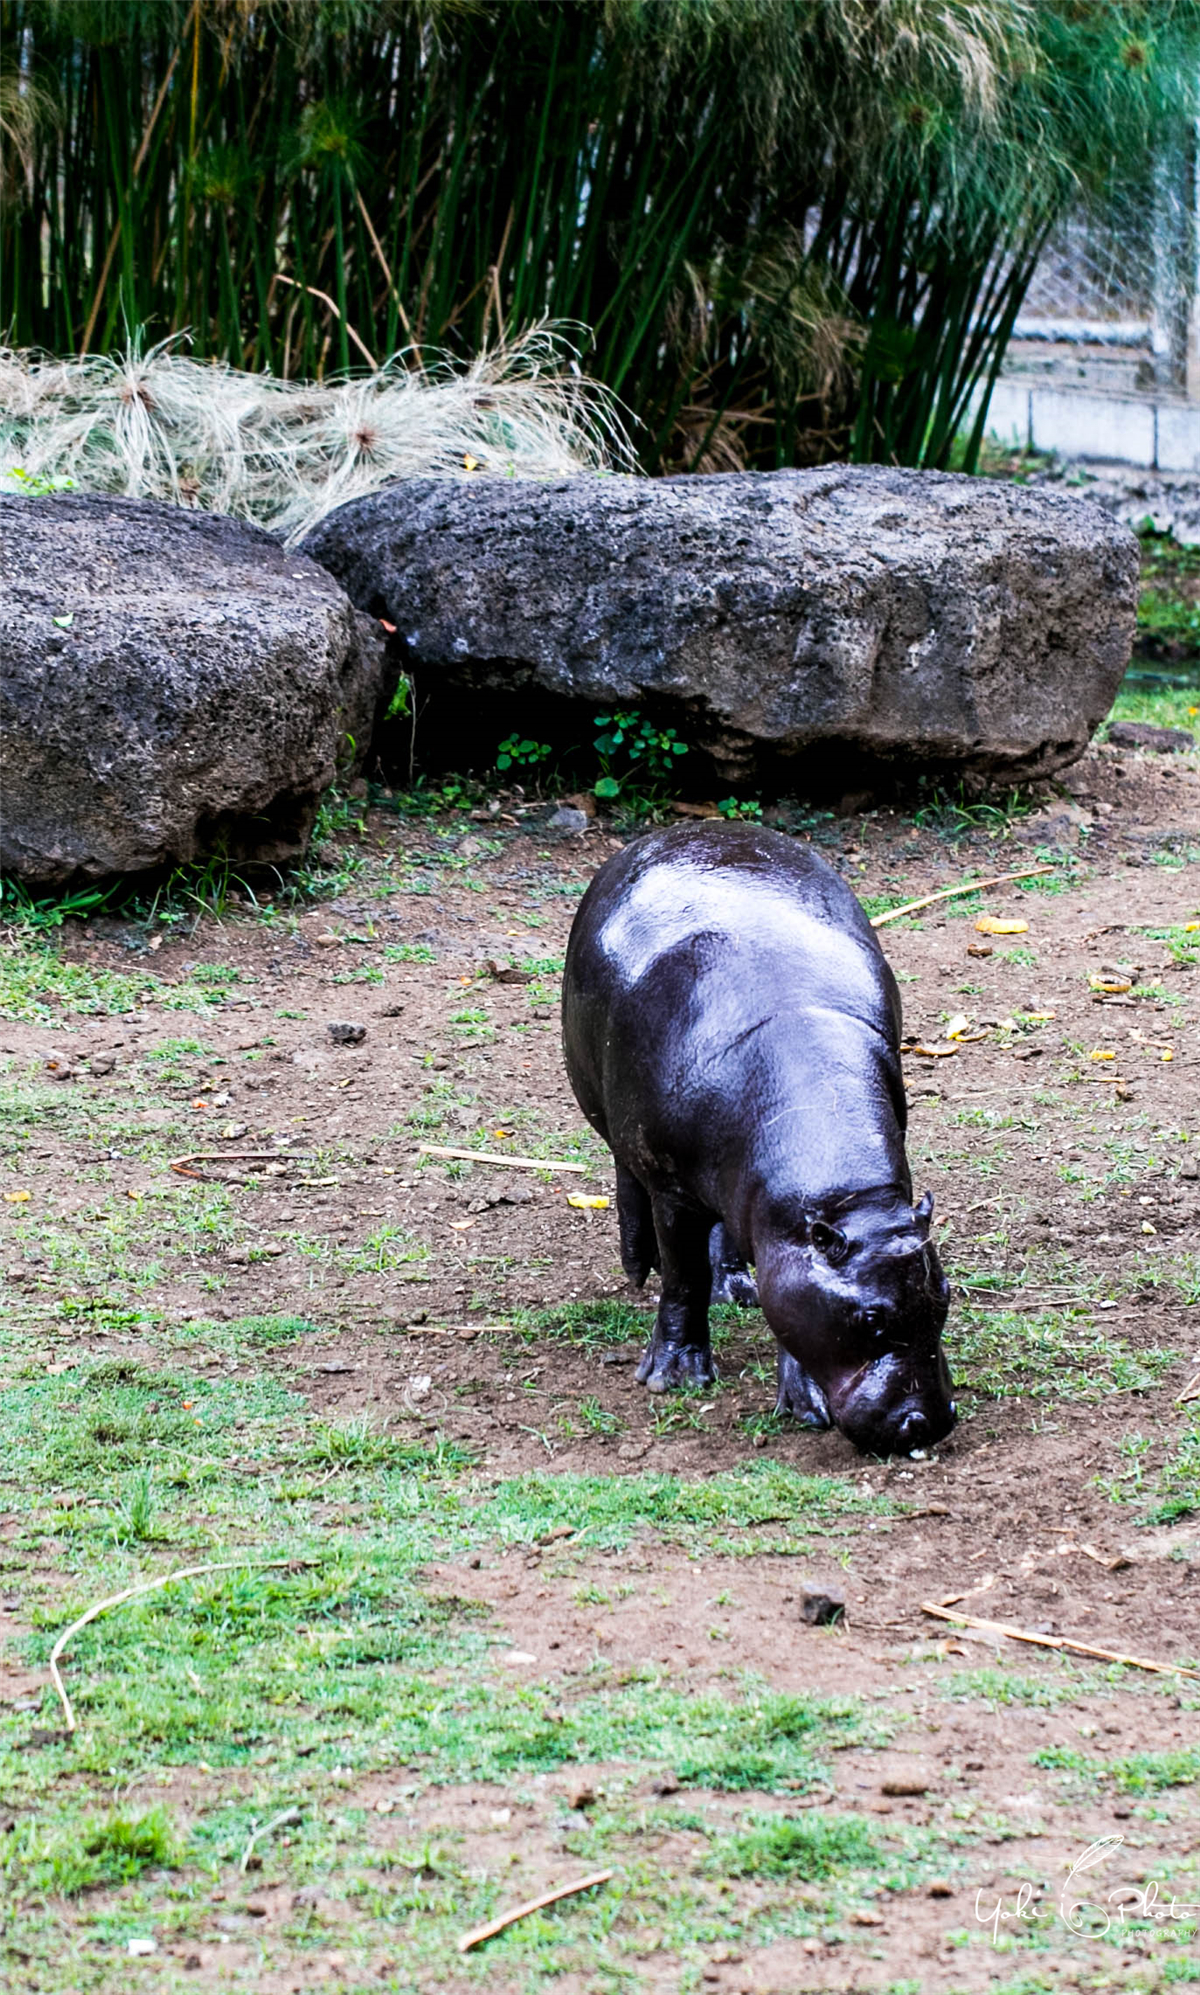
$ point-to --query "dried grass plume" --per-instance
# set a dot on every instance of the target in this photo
(157, 425)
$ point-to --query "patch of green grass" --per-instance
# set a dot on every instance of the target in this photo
(801, 1849)
(409, 952)
(1064, 1684)
(37, 985)
(1173, 1488)
(110, 1850)
(1159, 702)
(1049, 1354)
(1138, 1773)
(112, 1414)
(614, 1510)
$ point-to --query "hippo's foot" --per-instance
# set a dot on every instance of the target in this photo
(800, 1396)
(668, 1365)
(732, 1280)
(735, 1284)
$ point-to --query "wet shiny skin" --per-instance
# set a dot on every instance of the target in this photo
(731, 1028)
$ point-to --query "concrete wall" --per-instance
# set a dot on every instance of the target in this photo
(1161, 435)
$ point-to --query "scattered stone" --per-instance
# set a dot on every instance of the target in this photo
(199, 700)
(581, 1794)
(822, 1606)
(518, 1194)
(60, 1069)
(939, 1888)
(1141, 734)
(854, 614)
(344, 1032)
(667, 1782)
(508, 973)
(910, 1785)
(566, 818)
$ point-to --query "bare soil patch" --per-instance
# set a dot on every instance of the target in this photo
(446, 1303)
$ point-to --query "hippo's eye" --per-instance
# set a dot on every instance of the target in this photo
(873, 1322)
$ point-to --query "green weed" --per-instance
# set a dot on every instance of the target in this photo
(1048, 1354)
(810, 1847)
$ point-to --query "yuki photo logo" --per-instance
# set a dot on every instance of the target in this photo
(1080, 1907)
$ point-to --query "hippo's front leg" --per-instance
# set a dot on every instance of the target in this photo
(799, 1395)
(679, 1352)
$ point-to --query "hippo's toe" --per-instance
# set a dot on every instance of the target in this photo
(668, 1366)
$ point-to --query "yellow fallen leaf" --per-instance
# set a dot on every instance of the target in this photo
(957, 1025)
(1190, 927)
(470, 463)
(1099, 1053)
(17, 1197)
(931, 1052)
(1168, 1054)
(1038, 1017)
(461, 1225)
(502, 1135)
(1111, 986)
(991, 924)
(583, 1203)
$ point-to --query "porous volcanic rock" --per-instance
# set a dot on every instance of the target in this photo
(854, 616)
(173, 683)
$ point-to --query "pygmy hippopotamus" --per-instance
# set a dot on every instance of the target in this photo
(732, 1030)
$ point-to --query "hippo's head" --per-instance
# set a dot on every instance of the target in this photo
(858, 1297)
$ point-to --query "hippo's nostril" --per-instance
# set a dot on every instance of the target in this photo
(914, 1429)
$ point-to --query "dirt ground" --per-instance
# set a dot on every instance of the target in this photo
(1060, 1134)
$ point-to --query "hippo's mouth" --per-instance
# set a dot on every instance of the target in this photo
(879, 1420)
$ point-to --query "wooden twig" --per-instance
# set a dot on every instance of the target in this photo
(282, 1821)
(1055, 1642)
(479, 1934)
(180, 1164)
(133, 1593)
(1190, 1391)
(949, 893)
(492, 1157)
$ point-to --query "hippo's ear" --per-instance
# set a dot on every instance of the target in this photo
(828, 1241)
(923, 1213)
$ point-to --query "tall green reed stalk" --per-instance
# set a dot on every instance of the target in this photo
(798, 229)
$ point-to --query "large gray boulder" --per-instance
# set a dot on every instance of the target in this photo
(853, 615)
(172, 683)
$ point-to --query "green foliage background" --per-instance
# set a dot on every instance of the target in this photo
(797, 229)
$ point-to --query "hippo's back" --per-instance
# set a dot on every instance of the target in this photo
(765, 904)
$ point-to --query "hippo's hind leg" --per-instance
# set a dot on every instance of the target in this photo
(732, 1280)
(635, 1217)
(680, 1353)
(799, 1395)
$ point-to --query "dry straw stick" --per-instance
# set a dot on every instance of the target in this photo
(951, 893)
(481, 1933)
(1055, 1642)
(133, 1593)
(285, 1820)
(493, 1157)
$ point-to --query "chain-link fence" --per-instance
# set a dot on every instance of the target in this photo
(1123, 279)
